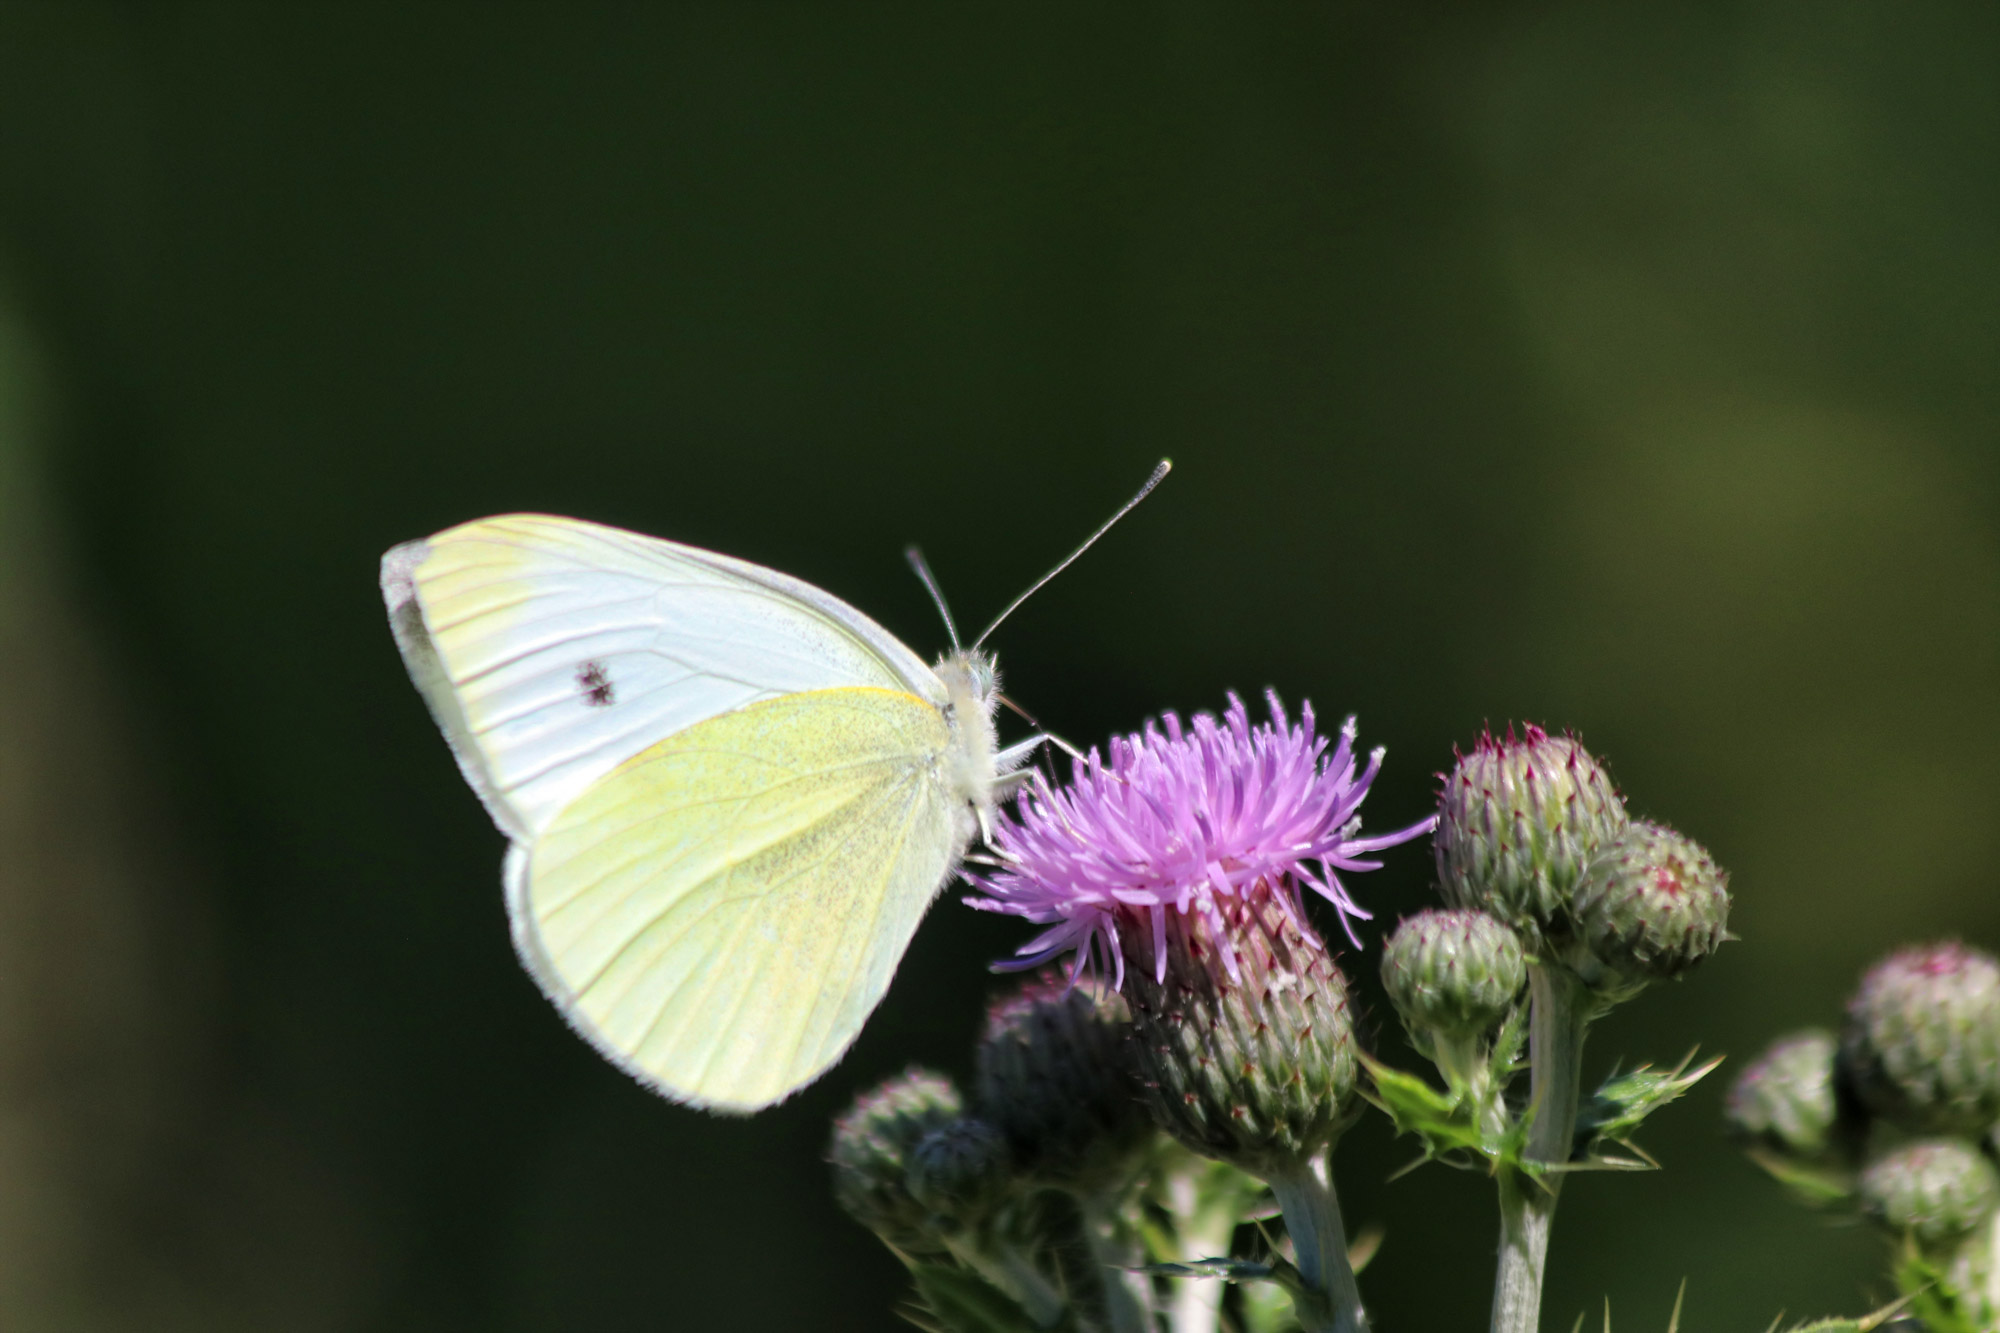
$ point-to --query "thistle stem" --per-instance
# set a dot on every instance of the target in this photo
(1204, 1230)
(1128, 1295)
(1528, 1207)
(1987, 1244)
(1312, 1218)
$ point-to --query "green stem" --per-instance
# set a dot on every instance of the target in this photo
(1992, 1273)
(1128, 1295)
(1203, 1229)
(1319, 1242)
(1528, 1207)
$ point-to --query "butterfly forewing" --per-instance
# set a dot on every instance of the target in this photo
(553, 650)
(721, 913)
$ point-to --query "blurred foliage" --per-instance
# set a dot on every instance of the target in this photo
(1625, 368)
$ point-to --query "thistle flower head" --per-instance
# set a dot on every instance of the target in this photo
(1519, 819)
(959, 1171)
(1922, 1043)
(1183, 820)
(871, 1151)
(1454, 972)
(1056, 1079)
(1785, 1099)
(1934, 1189)
(1252, 1063)
(1651, 905)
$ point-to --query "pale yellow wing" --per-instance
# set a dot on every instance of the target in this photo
(720, 914)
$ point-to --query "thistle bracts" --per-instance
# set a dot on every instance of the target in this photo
(960, 1173)
(1784, 1099)
(1245, 1042)
(1247, 1054)
(1453, 975)
(1922, 1042)
(1650, 905)
(1788, 1111)
(1937, 1198)
(1518, 821)
(1055, 1078)
(1938, 1191)
(870, 1155)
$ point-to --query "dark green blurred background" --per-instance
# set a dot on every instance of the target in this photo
(1629, 368)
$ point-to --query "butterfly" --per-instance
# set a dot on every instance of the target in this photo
(729, 796)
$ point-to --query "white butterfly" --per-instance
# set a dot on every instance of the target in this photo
(730, 795)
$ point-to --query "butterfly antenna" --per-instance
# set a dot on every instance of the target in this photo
(916, 558)
(1047, 735)
(1159, 474)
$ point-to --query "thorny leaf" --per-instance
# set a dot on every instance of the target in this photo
(1447, 1124)
(1618, 1107)
(956, 1301)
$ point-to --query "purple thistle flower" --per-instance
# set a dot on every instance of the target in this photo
(1183, 819)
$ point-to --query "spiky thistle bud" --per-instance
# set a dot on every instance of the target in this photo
(1519, 819)
(1055, 1078)
(1922, 1042)
(959, 1171)
(1936, 1190)
(1784, 1100)
(1454, 973)
(1651, 905)
(870, 1155)
(1246, 1046)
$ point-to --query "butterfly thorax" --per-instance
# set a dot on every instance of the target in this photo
(972, 693)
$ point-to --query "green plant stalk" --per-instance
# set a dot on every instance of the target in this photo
(1992, 1274)
(1319, 1241)
(1976, 1274)
(1128, 1295)
(1528, 1207)
(1203, 1230)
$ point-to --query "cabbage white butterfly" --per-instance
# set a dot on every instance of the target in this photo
(729, 795)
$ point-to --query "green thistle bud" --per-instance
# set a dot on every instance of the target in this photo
(1454, 973)
(1922, 1043)
(1934, 1189)
(1055, 1078)
(959, 1171)
(1785, 1100)
(1518, 822)
(1651, 905)
(871, 1151)
(1246, 1047)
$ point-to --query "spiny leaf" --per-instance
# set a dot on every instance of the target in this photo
(1229, 1270)
(957, 1301)
(1933, 1298)
(1615, 1111)
(1865, 1324)
(1820, 1185)
(1445, 1123)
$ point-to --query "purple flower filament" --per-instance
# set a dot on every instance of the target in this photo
(1183, 820)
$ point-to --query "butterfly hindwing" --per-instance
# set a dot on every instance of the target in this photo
(721, 912)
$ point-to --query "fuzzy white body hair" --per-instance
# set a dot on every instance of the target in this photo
(977, 773)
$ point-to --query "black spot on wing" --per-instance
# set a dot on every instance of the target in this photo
(595, 686)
